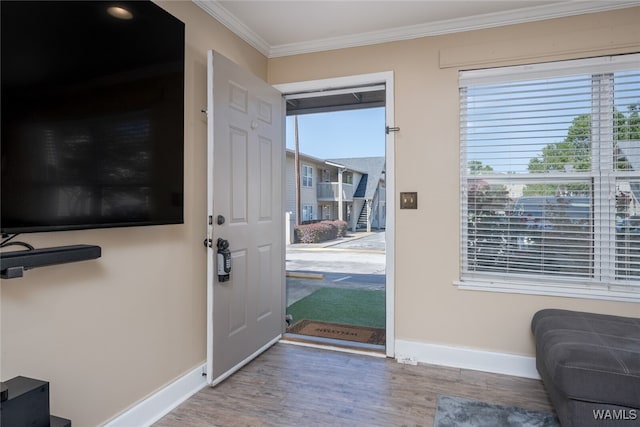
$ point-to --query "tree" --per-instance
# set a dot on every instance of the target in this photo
(477, 168)
(484, 198)
(574, 152)
(627, 128)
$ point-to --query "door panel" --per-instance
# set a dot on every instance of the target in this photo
(266, 179)
(236, 294)
(238, 142)
(245, 186)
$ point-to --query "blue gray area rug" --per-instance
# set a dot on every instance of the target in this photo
(461, 412)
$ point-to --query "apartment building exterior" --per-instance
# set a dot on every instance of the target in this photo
(350, 189)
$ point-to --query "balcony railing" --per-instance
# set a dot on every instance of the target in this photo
(328, 191)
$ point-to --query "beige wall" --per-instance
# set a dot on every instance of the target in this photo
(109, 332)
(428, 307)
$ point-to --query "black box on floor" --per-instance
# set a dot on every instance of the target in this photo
(59, 422)
(4, 392)
(27, 403)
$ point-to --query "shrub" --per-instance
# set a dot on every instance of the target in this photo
(316, 233)
(341, 226)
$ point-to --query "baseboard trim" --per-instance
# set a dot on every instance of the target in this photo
(412, 352)
(159, 404)
(151, 409)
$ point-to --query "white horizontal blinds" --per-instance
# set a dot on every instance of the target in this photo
(627, 229)
(526, 127)
(541, 163)
(528, 152)
(601, 131)
(626, 159)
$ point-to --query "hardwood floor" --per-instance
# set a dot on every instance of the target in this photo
(290, 385)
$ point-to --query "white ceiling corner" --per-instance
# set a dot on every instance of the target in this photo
(308, 21)
(226, 18)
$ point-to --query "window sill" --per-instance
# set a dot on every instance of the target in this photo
(555, 290)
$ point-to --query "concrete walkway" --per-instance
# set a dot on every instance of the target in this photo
(353, 262)
(374, 240)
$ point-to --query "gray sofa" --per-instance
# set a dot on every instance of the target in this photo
(590, 366)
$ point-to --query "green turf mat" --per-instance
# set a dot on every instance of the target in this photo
(344, 306)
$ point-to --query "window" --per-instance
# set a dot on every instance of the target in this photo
(326, 211)
(347, 177)
(307, 212)
(550, 178)
(307, 176)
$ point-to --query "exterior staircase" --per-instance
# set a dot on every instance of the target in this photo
(362, 219)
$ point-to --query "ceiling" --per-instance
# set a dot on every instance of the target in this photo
(351, 98)
(281, 28)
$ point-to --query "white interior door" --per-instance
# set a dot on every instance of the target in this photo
(246, 208)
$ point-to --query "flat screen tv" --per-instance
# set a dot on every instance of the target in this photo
(92, 115)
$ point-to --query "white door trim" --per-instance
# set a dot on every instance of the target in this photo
(385, 77)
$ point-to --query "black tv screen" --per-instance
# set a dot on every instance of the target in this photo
(92, 115)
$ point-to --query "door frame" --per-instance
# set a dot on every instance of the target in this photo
(385, 77)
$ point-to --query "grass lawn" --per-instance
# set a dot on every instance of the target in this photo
(346, 306)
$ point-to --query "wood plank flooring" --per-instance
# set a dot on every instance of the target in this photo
(290, 385)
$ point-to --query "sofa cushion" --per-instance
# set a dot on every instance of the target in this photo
(590, 357)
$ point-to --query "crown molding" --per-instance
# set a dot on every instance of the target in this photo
(229, 20)
(490, 20)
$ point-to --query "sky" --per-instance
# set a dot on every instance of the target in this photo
(354, 133)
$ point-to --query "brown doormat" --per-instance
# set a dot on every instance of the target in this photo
(362, 334)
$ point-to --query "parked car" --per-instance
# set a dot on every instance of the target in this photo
(551, 234)
(628, 224)
(546, 213)
(628, 247)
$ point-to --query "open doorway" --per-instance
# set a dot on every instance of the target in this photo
(337, 199)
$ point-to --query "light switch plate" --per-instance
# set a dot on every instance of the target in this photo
(409, 200)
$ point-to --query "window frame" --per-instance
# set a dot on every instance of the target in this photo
(539, 284)
(306, 176)
(307, 208)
